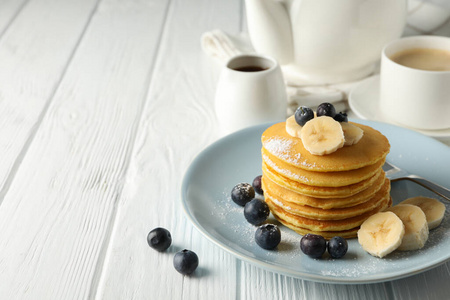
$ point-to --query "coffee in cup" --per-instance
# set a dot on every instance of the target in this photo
(427, 59)
(415, 82)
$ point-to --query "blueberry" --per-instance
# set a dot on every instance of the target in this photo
(159, 239)
(268, 236)
(303, 114)
(256, 211)
(326, 109)
(242, 193)
(337, 247)
(185, 261)
(313, 245)
(341, 117)
(257, 185)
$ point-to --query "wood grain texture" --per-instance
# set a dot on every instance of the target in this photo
(9, 10)
(427, 285)
(103, 105)
(178, 122)
(262, 284)
(180, 81)
(71, 177)
(31, 68)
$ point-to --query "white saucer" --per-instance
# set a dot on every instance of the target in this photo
(364, 102)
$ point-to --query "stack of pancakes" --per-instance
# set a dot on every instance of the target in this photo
(328, 195)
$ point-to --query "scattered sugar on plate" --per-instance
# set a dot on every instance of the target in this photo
(356, 263)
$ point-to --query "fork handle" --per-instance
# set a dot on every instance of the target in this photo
(437, 189)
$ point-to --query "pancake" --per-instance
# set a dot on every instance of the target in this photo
(319, 191)
(349, 233)
(332, 214)
(327, 228)
(330, 179)
(372, 148)
(330, 194)
(325, 203)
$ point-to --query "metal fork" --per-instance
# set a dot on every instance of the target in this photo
(394, 173)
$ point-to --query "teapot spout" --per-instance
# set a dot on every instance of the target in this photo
(269, 27)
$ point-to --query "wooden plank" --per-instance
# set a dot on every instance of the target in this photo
(9, 9)
(178, 122)
(261, 284)
(58, 213)
(429, 285)
(33, 56)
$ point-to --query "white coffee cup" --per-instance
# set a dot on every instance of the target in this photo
(250, 91)
(414, 97)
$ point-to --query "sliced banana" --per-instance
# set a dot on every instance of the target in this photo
(434, 209)
(292, 127)
(322, 135)
(381, 233)
(416, 226)
(352, 133)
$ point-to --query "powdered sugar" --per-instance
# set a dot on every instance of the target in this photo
(281, 147)
(229, 222)
(368, 268)
(226, 212)
(307, 164)
(278, 202)
(229, 219)
(285, 172)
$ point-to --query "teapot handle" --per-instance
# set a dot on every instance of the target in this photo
(270, 30)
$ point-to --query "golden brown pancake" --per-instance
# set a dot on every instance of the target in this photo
(346, 228)
(335, 213)
(289, 196)
(372, 148)
(330, 179)
(329, 194)
(319, 191)
(350, 233)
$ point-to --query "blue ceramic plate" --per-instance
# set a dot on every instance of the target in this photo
(236, 158)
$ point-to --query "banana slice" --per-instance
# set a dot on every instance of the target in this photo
(322, 135)
(434, 209)
(381, 233)
(416, 226)
(292, 127)
(352, 133)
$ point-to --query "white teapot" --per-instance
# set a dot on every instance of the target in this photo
(325, 41)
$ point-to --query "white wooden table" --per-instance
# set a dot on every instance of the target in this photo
(103, 105)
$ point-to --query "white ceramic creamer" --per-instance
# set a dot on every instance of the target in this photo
(250, 91)
(325, 41)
